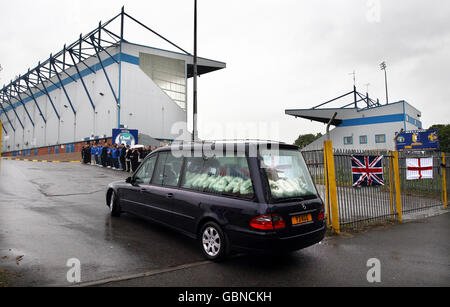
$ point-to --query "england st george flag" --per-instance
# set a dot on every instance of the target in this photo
(367, 170)
(419, 168)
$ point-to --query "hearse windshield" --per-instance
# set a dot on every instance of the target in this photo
(287, 174)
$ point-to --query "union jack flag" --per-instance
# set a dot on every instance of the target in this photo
(367, 170)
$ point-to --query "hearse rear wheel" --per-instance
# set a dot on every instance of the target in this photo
(213, 242)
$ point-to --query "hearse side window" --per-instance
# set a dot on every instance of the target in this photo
(222, 175)
(287, 173)
(144, 174)
(167, 170)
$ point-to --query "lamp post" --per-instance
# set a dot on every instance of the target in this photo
(194, 108)
(383, 67)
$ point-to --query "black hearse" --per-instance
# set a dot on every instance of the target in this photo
(254, 196)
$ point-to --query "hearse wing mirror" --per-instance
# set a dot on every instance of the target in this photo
(129, 180)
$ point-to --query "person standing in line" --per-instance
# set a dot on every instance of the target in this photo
(108, 156)
(127, 158)
(82, 153)
(112, 154)
(99, 154)
(111, 160)
(115, 156)
(143, 153)
(134, 159)
(92, 153)
(122, 157)
(118, 150)
(104, 155)
(87, 154)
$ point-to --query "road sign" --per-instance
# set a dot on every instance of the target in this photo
(417, 140)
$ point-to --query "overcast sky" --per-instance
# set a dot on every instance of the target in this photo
(280, 54)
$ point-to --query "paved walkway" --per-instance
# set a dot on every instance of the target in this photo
(62, 157)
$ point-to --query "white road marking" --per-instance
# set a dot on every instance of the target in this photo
(140, 275)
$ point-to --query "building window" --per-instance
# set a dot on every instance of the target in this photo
(169, 74)
(348, 140)
(380, 138)
(363, 139)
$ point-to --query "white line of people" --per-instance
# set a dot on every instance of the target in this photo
(117, 157)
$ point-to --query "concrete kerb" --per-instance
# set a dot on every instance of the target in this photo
(44, 161)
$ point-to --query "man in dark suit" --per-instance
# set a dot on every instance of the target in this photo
(83, 150)
(134, 159)
(87, 154)
(104, 155)
(122, 156)
(127, 158)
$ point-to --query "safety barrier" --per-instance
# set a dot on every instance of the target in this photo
(354, 207)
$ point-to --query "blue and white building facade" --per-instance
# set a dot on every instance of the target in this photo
(75, 95)
(369, 128)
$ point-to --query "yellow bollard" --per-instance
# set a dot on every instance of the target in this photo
(328, 148)
(444, 182)
(398, 199)
(327, 190)
(391, 185)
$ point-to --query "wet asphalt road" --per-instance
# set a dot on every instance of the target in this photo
(50, 213)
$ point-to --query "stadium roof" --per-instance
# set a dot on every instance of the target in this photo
(323, 115)
(52, 71)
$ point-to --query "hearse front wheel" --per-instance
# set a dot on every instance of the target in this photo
(114, 207)
(213, 242)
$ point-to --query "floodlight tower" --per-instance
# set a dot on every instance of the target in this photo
(383, 67)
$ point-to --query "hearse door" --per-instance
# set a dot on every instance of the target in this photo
(131, 200)
(135, 199)
(163, 188)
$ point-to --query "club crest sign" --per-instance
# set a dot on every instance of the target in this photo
(417, 140)
(125, 136)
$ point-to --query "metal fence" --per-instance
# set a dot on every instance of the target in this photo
(425, 193)
(359, 206)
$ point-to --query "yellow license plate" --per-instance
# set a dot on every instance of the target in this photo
(300, 219)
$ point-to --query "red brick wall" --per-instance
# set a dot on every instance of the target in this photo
(44, 150)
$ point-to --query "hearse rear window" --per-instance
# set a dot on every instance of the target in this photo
(287, 174)
(221, 175)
